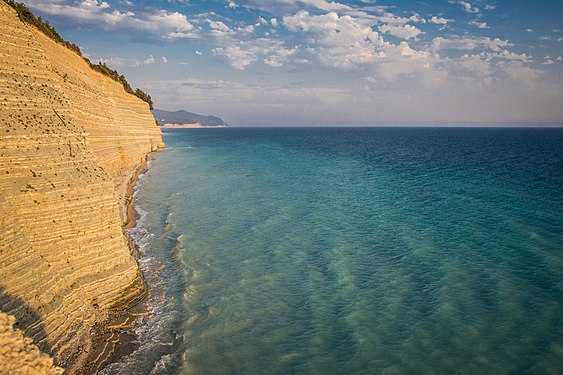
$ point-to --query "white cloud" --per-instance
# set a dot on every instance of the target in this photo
(468, 43)
(164, 60)
(559, 58)
(117, 61)
(240, 47)
(199, 53)
(218, 25)
(488, 57)
(468, 7)
(480, 25)
(548, 61)
(238, 58)
(530, 30)
(392, 19)
(226, 34)
(149, 60)
(404, 32)
(176, 21)
(348, 42)
(158, 22)
(277, 57)
(338, 41)
(243, 54)
(95, 4)
(486, 70)
(417, 18)
(246, 29)
(403, 61)
(180, 35)
(505, 54)
(440, 20)
(285, 6)
(324, 5)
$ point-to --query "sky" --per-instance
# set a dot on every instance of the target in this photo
(324, 62)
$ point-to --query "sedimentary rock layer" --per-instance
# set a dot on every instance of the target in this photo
(18, 355)
(68, 135)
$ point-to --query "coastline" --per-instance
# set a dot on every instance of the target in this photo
(125, 187)
(115, 338)
(191, 126)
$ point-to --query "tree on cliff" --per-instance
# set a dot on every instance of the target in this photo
(144, 96)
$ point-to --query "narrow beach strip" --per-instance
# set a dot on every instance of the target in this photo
(116, 339)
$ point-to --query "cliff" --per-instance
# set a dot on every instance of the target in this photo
(70, 139)
(18, 355)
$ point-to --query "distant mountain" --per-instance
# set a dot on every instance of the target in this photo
(183, 117)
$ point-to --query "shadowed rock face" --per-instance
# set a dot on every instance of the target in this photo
(18, 355)
(69, 137)
(24, 318)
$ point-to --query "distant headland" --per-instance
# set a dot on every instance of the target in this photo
(184, 119)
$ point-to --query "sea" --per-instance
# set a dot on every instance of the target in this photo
(351, 251)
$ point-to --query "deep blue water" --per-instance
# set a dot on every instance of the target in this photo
(353, 251)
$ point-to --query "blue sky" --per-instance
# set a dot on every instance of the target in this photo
(321, 62)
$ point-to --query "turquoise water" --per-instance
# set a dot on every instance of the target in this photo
(352, 251)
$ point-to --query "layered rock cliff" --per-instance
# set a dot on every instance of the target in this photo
(69, 138)
(18, 355)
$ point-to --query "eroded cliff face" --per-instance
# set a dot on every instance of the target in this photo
(69, 137)
(18, 355)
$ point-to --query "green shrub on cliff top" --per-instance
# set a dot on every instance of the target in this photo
(144, 96)
(114, 74)
(26, 16)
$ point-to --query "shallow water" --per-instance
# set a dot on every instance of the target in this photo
(352, 251)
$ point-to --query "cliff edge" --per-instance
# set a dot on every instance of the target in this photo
(70, 139)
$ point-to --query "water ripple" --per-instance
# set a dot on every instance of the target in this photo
(361, 251)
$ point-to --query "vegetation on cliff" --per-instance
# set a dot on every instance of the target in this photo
(27, 16)
(114, 74)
